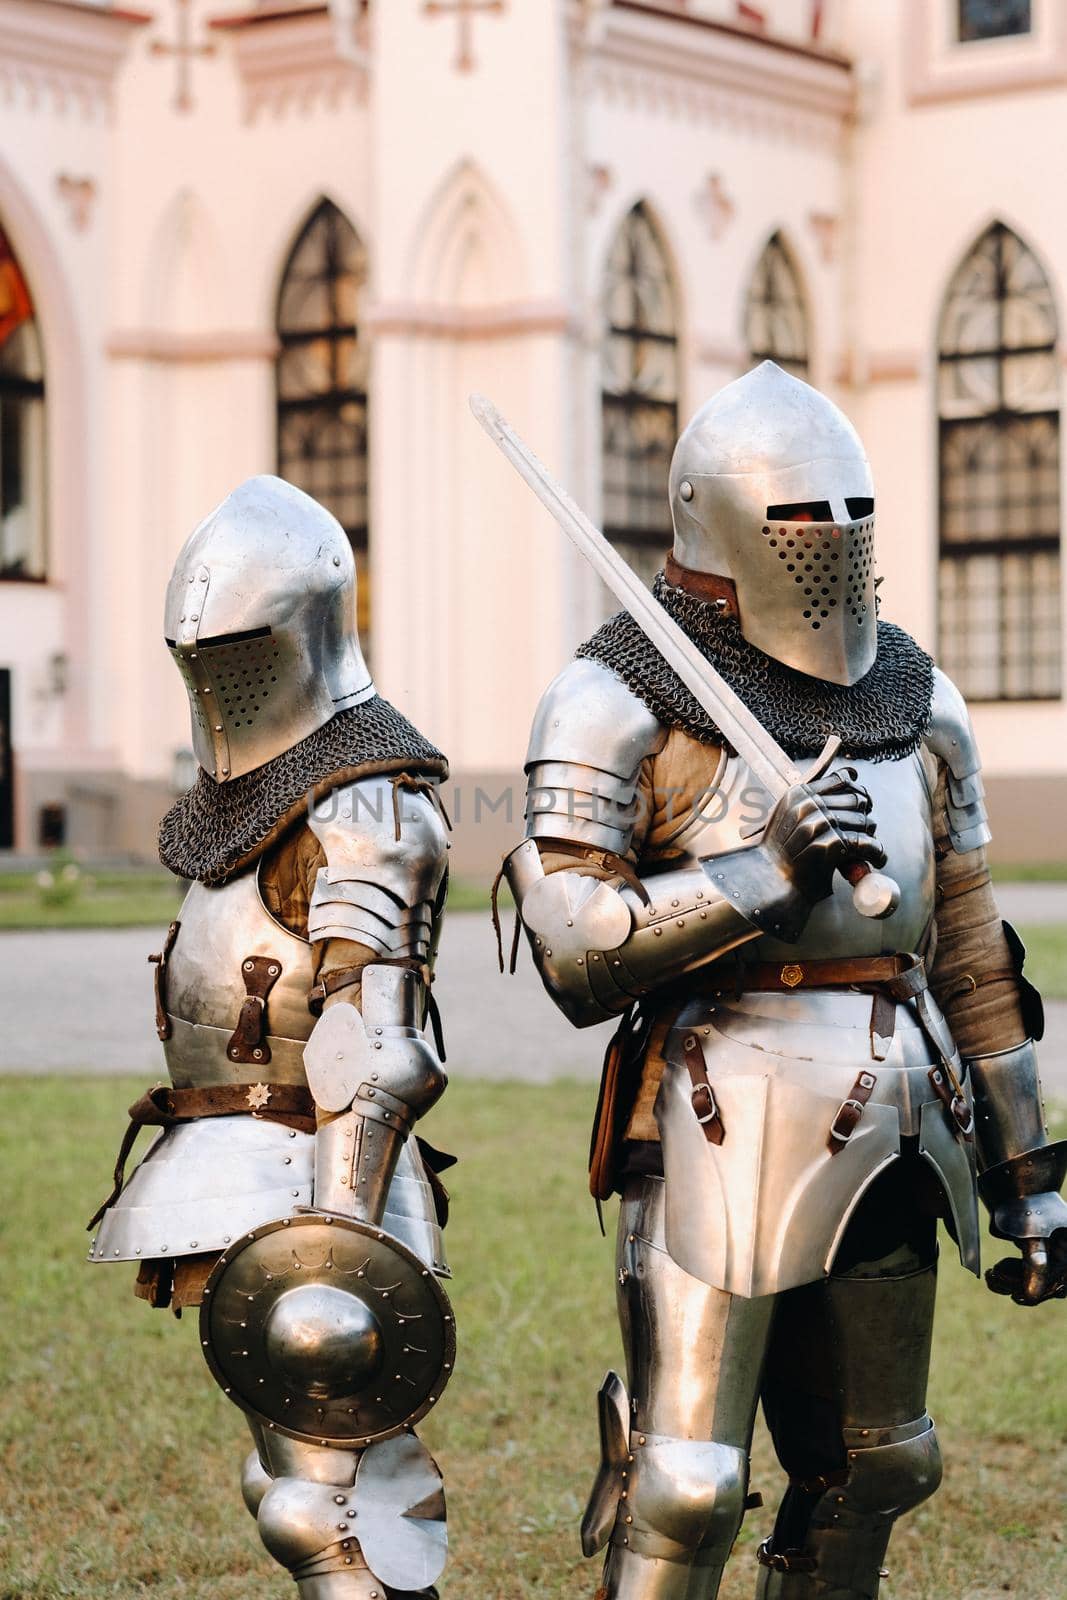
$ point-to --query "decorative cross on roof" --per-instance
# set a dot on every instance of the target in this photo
(184, 52)
(464, 12)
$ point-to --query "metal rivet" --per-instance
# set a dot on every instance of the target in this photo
(685, 489)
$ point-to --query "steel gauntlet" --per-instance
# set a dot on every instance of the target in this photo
(373, 1074)
(1022, 1171)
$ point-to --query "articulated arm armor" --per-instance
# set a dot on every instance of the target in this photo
(603, 937)
(600, 936)
(996, 1016)
(370, 1069)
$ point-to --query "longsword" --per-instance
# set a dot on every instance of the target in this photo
(874, 894)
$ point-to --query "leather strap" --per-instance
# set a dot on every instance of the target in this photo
(704, 1103)
(883, 1024)
(248, 1042)
(159, 961)
(968, 983)
(722, 592)
(343, 978)
(850, 1111)
(902, 976)
(162, 1107)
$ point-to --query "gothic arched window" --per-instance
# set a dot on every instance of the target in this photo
(22, 427)
(322, 379)
(999, 452)
(776, 317)
(639, 392)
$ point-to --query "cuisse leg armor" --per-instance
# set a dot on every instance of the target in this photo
(671, 1490)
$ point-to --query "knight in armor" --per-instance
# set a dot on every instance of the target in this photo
(286, 1194)
(796, 1093)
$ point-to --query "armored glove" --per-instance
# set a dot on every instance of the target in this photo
(1021, 1173)
(815, 829)
(1036, 1221)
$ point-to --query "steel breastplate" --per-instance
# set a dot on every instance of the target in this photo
(902, 792)
(204, 989)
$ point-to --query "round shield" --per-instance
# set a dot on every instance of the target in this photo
(328, 1330)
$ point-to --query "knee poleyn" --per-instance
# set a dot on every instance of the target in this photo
(255, 1481)
(681, 1496)
(299, 1519)
(889, 1471)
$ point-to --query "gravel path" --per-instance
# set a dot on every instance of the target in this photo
(81, 1001)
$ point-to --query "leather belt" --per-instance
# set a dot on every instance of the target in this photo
(891, 980)
(901, 975)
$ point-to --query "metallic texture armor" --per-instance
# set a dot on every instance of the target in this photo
(598, 948)
(377, 1073)
(589, 737)
(347, 1522)
(771, 488)
(1022, 1169)
(774, 1200)
(951, 738)
(385, 854)
(315, 1251)
(672, 1487)
(803, 1098)
(325, 1306)
(204, 1184)
(267, 648)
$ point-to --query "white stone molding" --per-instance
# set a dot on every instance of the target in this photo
(294, 58)
(154, 344)
(63, 54)
(689, 68)
(504, 321)
(856, 369)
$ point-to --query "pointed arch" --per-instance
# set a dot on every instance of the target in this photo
(777, 321)
(640, 381)
(185, 287)
(321, 379)
(1000, 632)
(23, 534)
(466, 248)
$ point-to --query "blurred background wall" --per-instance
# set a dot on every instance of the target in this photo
(240, 237)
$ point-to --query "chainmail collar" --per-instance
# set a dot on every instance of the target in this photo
(881, 718)
(218, 829)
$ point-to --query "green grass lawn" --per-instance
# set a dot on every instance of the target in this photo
(121, 1457)
(108, 899)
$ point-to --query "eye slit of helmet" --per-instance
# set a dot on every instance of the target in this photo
(804, 511)
(860, 506)
(234, 638)
(171, 644)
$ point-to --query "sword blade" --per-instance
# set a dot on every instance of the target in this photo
(766, 760)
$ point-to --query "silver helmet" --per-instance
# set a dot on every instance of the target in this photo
(770, 487)
(260, 618)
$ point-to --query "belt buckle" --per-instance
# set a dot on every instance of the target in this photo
(791, 974)
(851, 1111)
